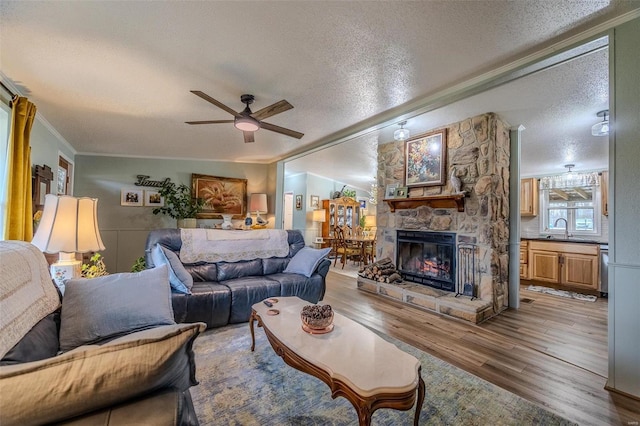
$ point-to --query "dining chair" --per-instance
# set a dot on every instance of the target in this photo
(344, 249)
(370, 250)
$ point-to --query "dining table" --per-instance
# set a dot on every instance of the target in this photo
(360, 240)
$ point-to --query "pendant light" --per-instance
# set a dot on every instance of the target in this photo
(401, 134)
(601, 128)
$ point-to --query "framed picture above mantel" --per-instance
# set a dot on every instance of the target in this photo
(425, 159)
(221, 195)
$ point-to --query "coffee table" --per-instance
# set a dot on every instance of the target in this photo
(354, 362)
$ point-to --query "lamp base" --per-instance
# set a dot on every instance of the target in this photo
(65, 268)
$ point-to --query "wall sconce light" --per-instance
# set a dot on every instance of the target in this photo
(401, 134)
(601, 128)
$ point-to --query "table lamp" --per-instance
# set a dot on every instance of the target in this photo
(69, 225)
(319, 216)
(258, 204)
(369, 223)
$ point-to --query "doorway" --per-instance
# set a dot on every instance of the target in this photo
(287, 211)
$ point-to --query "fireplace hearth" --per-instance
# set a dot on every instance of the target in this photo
(427, 258)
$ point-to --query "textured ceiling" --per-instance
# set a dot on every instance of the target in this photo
(114, 77)
(557, 107)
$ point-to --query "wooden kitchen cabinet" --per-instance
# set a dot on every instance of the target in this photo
(529, 197)
(569, 264)
(545, 265)
(524, 260)
(604, 190)
(580, 270)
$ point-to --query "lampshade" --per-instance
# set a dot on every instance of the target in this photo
(370, 221)
(258, 203)
(402, 133)
(68, 225)
(246, 124)
(319, 215)
(601, 128)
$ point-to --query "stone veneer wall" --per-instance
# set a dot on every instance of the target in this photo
(478, 150)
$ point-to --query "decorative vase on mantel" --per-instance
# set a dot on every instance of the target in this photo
(188, 222)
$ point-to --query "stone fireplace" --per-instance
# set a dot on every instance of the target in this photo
(478, 154)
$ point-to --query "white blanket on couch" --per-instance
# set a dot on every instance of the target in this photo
(213, 245)
(26, 292)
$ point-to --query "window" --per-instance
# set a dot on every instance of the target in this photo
(5, 115)
(577, 208)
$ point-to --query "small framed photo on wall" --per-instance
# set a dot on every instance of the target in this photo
(131, 197)
(315, 202)
(298, 202)
(153, 199)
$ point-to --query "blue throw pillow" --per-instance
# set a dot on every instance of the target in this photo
(180, 280)
(306, 261)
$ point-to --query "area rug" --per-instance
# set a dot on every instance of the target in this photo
(563, 293)
(240, 387)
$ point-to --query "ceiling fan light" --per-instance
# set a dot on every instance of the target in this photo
(246, 124)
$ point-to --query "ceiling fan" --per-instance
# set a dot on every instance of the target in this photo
(248, 121)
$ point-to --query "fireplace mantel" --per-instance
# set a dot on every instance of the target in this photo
(436, 201)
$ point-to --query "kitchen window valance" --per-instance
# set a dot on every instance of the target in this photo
(570, 180)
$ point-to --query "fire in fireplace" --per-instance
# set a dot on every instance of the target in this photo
(427, 258)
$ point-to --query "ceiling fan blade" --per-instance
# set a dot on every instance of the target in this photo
(209, 122)
(248, 137)
(282, 130)
(216, 103)
(271, 110)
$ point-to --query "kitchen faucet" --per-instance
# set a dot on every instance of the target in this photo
(566, 226)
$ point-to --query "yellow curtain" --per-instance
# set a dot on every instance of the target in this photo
(19, 219)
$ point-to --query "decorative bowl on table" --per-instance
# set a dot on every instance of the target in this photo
(317, 319)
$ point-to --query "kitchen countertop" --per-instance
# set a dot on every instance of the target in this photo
(562, 240)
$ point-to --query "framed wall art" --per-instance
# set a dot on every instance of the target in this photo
(425, 159)
(153, 198)
(131, 197)
(298, 202)
(315, 202)
(221, 195)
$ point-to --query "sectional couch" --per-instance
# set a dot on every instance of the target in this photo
(223, 292)
(109, 353)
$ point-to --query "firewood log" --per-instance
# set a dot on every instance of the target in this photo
(395, 277)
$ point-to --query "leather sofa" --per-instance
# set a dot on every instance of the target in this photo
(224, 292)
(137, 377)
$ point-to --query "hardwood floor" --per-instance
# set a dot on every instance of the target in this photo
(552, 351)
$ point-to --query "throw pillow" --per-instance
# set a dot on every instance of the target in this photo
(95, 377)
(105, 307)
(180, 280)
(306, 261)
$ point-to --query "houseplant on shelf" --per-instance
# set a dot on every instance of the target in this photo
(180, 204)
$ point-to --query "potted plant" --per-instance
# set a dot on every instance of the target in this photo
(180, 204)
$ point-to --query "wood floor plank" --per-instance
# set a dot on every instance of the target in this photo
(552, 351)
